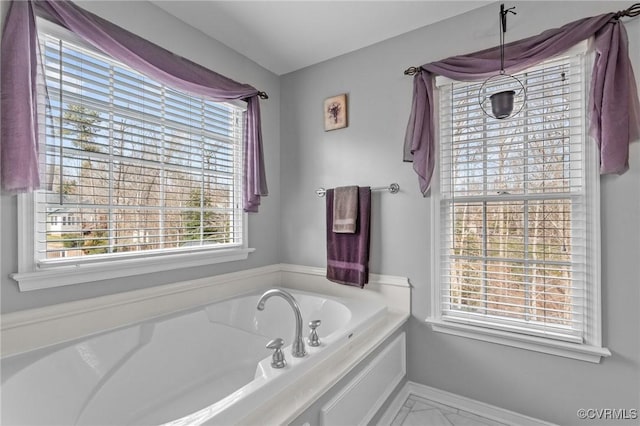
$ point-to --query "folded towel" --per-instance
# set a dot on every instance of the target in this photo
(345, 209)
(348, 254)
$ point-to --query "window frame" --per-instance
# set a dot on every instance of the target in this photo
(34, 274)
(590, 349)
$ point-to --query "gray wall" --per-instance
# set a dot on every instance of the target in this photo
(155, 25)
(368, 152)
(290, 225)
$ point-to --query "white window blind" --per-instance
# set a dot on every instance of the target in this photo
(132, 167)
(514, 226)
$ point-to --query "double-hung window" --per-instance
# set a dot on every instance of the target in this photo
(516, 215)
(132, 170)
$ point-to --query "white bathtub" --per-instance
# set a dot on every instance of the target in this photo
(203, 366)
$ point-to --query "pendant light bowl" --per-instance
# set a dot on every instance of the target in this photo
(502, 96)
(502, 103)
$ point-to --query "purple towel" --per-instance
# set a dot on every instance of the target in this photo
(348, 254)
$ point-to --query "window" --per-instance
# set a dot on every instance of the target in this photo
(143, 170)
(516, 211)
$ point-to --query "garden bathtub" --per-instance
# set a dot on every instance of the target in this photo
(206, 365)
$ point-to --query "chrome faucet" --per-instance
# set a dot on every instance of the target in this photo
(297, 349)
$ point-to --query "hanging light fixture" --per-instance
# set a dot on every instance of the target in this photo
(502, 96)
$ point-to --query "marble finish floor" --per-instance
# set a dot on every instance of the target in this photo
(418, 411)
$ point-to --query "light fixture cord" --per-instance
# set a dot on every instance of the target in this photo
(502, 31)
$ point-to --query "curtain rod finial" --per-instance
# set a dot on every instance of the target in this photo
(412, 70)
(263, 95)
(631, 12)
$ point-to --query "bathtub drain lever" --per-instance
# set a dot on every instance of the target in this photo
(277, 360)
(313, 339)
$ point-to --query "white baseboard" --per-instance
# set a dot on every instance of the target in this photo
(460, 402)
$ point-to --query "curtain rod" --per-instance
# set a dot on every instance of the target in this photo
(631, 12)
(393, 188)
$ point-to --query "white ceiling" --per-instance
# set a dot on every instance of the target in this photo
(284, 36)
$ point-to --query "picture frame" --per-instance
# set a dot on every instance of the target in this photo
(335, 112)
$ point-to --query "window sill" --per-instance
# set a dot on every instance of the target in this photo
(583, 352)
(89, 272)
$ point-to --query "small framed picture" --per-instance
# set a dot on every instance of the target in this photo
(335, 112)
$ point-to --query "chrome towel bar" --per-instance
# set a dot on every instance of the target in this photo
(394, 188)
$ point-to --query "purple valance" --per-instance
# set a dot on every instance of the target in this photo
(614, 110)
(19, 127)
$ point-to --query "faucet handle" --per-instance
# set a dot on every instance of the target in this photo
(276, 343)
(277, 360)
(313, 339)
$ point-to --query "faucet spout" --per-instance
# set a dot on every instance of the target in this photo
(297, 349)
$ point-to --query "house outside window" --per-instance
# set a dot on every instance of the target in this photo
(515, 210)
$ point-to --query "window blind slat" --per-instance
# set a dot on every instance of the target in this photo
(513, 235)
(132, 165)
